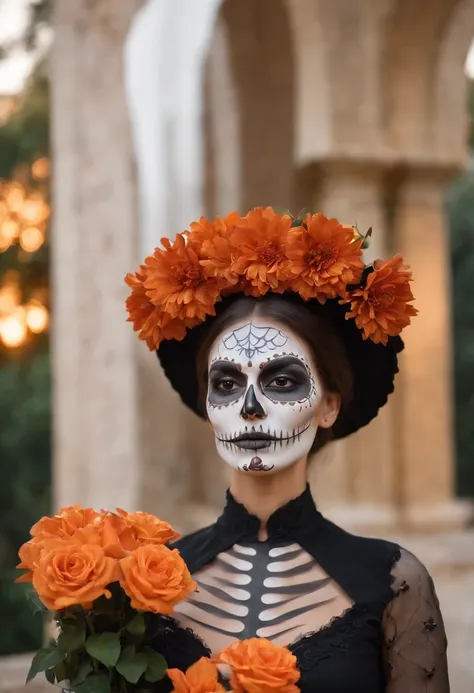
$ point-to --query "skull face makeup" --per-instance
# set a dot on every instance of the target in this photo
(263, 396)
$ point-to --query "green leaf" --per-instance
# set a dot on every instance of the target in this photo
(72, 637)
(105, 647)
(366, 239)
(132, 665)
(94, 684)
(157, 666)
(60, 671)
(137, 625)
(46, 658)
(85, 668)
(50, 676)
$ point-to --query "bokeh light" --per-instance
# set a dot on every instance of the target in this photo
(13, 330)
(36, 316)
(41, 169)
(31, 239)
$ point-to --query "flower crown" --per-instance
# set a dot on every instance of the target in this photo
(178, 286)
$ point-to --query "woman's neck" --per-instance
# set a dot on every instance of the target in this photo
(262, 494)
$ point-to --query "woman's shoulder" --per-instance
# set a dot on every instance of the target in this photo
(394, 567)
(373, 569)
(198, 547)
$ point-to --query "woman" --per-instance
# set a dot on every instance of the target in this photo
(275, 332)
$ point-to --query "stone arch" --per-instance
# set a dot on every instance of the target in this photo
(416, 57)
(251, 62)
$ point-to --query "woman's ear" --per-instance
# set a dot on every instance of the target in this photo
(328, 410)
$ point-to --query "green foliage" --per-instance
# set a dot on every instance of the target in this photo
(132, 664)
(94, 684)
(470, 105)
(137, 625)
(25, 136)
(25, 461)
(105, 647)
(25, 384)
(460, 207)
(44, 659)
(72, 636)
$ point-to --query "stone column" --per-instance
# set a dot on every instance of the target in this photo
(357, 484)
(424, 431)
(116, 441)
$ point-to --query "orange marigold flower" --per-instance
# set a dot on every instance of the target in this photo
(177, 283)
(216, 252)
(156, 578)
(261, 242)
(201, 677)
(218, 260)
(382, 308)
(205, 230)
(71, 573)
(153, 324)
(324, 257)
(148, 529)
(145, 316)
(259, 666)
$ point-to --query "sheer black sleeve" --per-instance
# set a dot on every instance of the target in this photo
(415, 639)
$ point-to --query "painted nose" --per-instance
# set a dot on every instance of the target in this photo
(252, 409)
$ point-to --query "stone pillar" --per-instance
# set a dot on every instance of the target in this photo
(424, 431)
(357, 484)
(116, 441)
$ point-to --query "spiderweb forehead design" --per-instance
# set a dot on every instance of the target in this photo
(250, 340)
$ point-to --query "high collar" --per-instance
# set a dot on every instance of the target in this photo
(285, 523)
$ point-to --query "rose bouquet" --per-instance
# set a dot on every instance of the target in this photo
(102, 575)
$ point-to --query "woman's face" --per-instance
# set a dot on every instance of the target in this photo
(265, 399)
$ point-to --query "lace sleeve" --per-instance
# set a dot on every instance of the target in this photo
(415, 639)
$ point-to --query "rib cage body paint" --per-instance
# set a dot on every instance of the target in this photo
(261, 590)
(263, 393)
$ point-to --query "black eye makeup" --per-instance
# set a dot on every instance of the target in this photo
(285, 379)
(226, 383)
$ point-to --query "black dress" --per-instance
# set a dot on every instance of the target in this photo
(389, 639)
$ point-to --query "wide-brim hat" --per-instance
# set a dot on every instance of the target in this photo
(182, 288)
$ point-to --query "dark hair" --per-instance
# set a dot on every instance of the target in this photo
(314, 328)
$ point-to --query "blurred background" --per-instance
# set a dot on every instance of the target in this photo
(120, 122)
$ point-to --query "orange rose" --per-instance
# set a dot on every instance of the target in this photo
(259, 666)
(107, 534)
(156, 578)
(68, 573)
(147, 528)
(65, 523)
(29, 555)
(201, 677)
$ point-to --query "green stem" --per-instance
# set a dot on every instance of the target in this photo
(90, 624)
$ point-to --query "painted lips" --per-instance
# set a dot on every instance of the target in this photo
(254, 440)
(258, 440)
